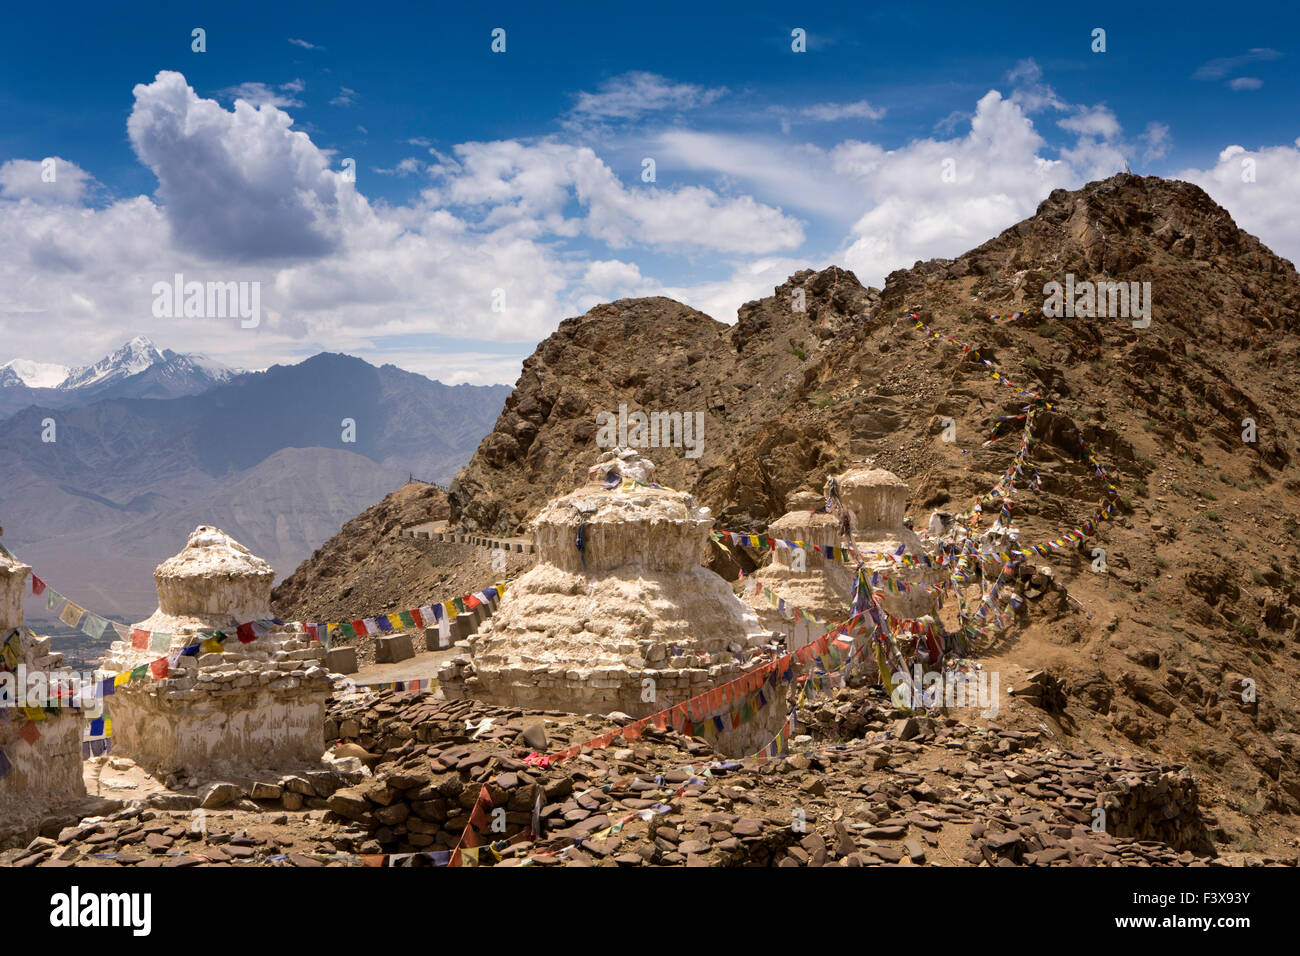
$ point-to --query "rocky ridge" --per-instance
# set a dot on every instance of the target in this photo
(1185, 645)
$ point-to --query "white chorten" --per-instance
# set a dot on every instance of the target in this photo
(40, 772)
(256, 704)
(618, 596)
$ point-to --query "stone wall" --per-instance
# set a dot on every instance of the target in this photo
(1161, 805)
(228, 713)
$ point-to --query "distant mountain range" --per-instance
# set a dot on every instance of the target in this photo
(136, 370)
(149, 444)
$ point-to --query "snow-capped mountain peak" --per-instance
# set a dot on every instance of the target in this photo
(131, 359)
(32, 374)
(136, 370)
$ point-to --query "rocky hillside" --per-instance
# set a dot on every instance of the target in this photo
(368, 569)
(1188, 647)
(338, 574)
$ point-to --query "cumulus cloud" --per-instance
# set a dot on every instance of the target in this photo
(942, 197)
(237, 184)
(480, 254)
(534, 183)
(1094, 121)
(752, 279)
(613, 276)
(507, 237)
(1260, 188)
(406, 167)
(1029, 92)
(49, 180)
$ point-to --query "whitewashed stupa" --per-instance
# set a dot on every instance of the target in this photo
(252, 705)
(40, 761)
(874, 501)
(619, 603)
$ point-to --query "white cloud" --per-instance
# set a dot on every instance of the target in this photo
(237, 184)
(635, 94)
(1266, 206)
(304, 44)
(1245, 83)
(533, 183)
(1029, 92)
(26, 179)
(1224, 66)
(259, 94)
(829, 112)
(244, 197)
(346, 97)
(547, 223)
(406, 167)
(612, 277)
(826, 113)
(1157, 140)
(801, 174)
(1097, 121)
(722, 298)
(912, 213)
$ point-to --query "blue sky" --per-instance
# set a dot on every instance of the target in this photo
(520, 173)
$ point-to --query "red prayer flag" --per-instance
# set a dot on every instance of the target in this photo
(38, 586)
(158, 668)
(30, 732)
(417, 617)
(471, 601)
(246, 633)
(478, 818)
(139, 639)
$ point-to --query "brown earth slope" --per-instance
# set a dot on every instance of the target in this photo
(368, 568)
(1199, 608)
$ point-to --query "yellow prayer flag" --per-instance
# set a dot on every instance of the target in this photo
(72, 614)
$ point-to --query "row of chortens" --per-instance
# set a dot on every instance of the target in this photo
(618, 614)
